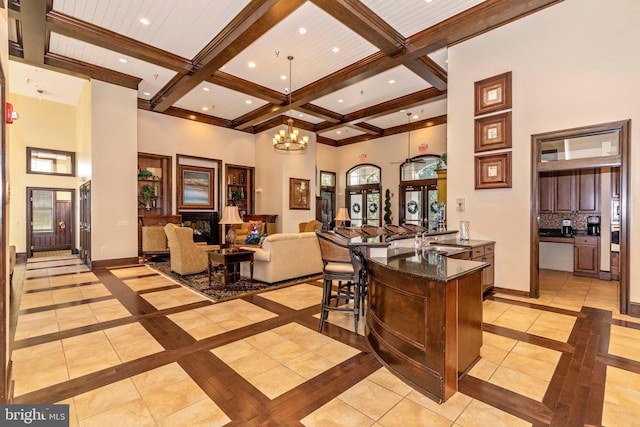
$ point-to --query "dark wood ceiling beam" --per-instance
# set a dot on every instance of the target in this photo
(249, 25)
(327, 141)
(322, 113)
(404, 102)
(88, 33)
(367, 128)
(244, 86)
(427, 68)
(479, 19)
(433, 121)
(32, 18)
(92, 71)
(363, 21)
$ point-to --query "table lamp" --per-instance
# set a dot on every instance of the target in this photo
(343, 215)
(230, 216)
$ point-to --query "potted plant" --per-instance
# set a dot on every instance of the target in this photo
(148, 194)
(144, 174)
(442, 161)
(387, 207)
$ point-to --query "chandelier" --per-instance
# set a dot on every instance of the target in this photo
(288, 140)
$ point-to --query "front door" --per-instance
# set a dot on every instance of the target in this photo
(364, 207)
(420, 205)
(50, 219)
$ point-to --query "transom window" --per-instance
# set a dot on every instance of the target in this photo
(422, 167)
(365, 174)
(51, 162)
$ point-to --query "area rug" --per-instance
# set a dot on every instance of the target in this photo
(218, 291)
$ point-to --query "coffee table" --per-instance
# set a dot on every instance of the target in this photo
(229, 261)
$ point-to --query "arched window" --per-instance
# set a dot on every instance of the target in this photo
(363, 195)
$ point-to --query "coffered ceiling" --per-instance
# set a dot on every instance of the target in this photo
(357, 66)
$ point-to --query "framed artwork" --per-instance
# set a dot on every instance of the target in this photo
(493, 171)
(195, 187)
(493, 132)
(493, 94)
(299, 194)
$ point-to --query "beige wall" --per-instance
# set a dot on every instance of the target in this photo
(42, 124)
(573, 65)
(381, 152)
(114, 211)
(273, 171)
(166, 135)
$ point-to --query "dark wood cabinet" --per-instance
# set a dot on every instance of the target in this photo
(547, 185)
(588, 191)
(615, 266)
(240, 188)
(485, 253)
(570, 191)
(565, 194)
(586, 256)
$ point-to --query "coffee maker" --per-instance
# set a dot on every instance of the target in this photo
(567, 228)
(593, 225)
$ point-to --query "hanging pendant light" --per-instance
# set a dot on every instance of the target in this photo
(289, 140)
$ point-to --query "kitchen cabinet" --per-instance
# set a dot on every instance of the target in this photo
(615, 266)
(240, 182)
(547, 185)
(586, 256)
(485, 253)
(570, 191)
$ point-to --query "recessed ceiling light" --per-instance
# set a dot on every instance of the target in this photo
(340, 100)
(206, 89)
(283, 77)
(302, 30)
(338, 132)
(335, 49)
(391, 81)
(415, 116)
(123, 60)
(248, 101)
(300, 115)
(147, 94)
(252, 64)
(428, 1)
(145, 21)
(205, 108)
(446, 61)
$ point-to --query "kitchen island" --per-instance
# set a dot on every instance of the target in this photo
(424, 320)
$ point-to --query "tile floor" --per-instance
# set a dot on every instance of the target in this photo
(129, 347)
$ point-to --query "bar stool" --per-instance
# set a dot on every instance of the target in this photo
(371, 230)
(344, 265)
(349, 232)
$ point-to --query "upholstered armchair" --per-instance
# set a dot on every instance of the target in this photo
(309, 226)
(187, 257)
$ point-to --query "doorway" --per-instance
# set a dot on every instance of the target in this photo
(574, 149)
(50, 219)
(326, 203)
(363, 195)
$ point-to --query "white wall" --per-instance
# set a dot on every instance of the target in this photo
(573, 65)
(114, 211)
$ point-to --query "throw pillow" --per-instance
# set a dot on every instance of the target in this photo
(259, 224)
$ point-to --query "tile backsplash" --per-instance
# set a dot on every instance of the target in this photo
(554, 220)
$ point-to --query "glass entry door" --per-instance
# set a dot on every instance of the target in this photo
(364, 207)
(421, 205)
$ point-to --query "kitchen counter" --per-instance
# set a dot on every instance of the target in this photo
(424, 319)
(464, 243)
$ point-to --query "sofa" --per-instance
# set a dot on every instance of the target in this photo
(284, 256)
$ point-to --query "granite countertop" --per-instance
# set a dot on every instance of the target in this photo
(464, 243)
(428, 266)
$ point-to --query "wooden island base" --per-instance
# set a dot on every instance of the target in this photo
(426, 329)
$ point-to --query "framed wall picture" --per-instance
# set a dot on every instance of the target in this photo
(493, 171)
(299, 197)
(493, 94)
(493, 132)
(195, 187)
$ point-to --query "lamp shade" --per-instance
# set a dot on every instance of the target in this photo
(230, 215)
(343, 215)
